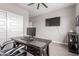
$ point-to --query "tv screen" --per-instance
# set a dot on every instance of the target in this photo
(53, 21)
(31, 31)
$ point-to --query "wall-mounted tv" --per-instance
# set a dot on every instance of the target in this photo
(55, 21)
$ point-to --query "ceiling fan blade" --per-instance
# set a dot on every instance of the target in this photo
(44, 5)
(38, 6)
(30, 4)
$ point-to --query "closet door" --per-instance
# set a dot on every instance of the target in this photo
(2, 27)
(14, 25)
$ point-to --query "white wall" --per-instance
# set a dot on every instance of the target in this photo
(58, 33)
(12, 7)
(77, 9)
(77, 13)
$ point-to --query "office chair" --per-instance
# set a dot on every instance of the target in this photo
(9, 48)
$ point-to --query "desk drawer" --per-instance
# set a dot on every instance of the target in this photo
(33, 50)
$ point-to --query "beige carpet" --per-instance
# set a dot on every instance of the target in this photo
(56, 49)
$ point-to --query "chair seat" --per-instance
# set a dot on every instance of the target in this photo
(6, 50)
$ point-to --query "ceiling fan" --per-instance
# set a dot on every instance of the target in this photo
(38, 5)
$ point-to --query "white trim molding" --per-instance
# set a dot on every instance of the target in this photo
(60, 42)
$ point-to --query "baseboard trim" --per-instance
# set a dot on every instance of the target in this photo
(59, 42)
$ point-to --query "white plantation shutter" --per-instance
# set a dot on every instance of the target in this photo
(14, 25)
(20, 26)
(2, 27)
(11, 25)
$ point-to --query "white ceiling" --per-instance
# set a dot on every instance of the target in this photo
(51, 7)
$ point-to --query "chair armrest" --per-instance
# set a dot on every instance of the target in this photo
(10, 51)
(6, 43)
(17, 49)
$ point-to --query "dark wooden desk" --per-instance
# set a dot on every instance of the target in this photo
(37, 44)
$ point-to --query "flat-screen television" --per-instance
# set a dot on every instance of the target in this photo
(55, 21)
(31, 31)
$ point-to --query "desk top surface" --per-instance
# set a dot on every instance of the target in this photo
(36, 42)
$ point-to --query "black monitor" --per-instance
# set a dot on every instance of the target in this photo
(31, 31)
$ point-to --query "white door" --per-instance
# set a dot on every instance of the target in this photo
(14, 25)
(2, 27)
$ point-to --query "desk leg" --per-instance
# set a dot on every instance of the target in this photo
(41, 52)
(47, 50)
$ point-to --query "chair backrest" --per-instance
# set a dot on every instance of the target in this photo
(8, 45)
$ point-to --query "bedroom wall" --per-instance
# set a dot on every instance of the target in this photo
(13, 7)
(55, 33)
(77, 9)
(77, 13)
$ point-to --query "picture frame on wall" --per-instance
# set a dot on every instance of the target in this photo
(77, 21)
(55, 21)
